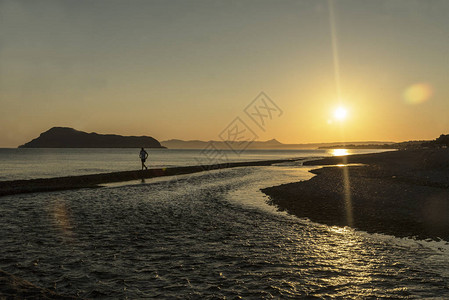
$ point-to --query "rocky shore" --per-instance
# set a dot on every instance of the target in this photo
(402, 193)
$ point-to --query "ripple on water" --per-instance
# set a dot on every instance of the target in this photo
(206, 235)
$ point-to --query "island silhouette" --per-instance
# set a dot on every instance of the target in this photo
(65, 137)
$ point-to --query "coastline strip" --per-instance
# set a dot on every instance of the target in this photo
(94, 180)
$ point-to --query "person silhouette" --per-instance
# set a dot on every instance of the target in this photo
(143, 157)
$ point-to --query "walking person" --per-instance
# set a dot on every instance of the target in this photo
(143, 157)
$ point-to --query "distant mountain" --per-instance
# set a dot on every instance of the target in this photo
(64, 137)
(270, 144)
(441, 142)
(197, 144)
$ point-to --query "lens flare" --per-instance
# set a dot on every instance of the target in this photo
(418, 93)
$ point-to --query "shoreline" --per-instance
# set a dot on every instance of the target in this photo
(401, 193)
(14, 187)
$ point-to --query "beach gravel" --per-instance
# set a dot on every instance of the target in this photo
(402, 193)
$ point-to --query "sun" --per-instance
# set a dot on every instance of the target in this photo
(340, 113)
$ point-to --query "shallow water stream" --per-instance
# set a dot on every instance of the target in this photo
(208, 235)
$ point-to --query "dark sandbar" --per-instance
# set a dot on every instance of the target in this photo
(94, 180)
(402, 193)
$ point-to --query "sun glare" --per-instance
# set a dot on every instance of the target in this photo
(339, 152)
(340, 113)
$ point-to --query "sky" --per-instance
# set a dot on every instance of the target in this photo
(194, 69)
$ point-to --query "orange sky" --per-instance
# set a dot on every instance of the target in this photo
(187, 69)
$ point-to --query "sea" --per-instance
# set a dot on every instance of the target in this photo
(208, 235)
(32, 163)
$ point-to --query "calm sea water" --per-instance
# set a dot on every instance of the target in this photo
(209, 235)
(44, 163)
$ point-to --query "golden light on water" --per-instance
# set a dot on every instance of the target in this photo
(61, 218)
(418, 93)
(339, 152)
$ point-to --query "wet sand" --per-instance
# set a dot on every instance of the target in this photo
(402, 193)
(94, 180)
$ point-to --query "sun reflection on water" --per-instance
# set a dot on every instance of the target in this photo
(61, 218)
(339, 152)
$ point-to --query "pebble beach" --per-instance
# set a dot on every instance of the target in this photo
(401, 193)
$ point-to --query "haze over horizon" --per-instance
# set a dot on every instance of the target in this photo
(338, 70)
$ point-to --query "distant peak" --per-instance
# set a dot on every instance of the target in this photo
(61, 129)
(273, 141)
